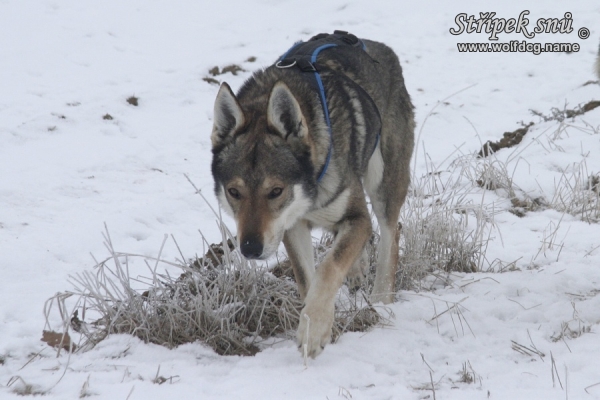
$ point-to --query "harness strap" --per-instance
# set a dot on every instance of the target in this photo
(304, 56)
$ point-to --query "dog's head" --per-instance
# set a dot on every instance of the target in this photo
(262, 167)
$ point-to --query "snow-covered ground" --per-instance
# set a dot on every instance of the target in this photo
(65, 171)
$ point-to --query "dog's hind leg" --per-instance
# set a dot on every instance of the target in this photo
(387, 183)
(387, 254)
(298, 244)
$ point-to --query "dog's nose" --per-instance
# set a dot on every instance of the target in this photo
(251, 249)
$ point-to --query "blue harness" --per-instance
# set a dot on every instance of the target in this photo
(304, 56)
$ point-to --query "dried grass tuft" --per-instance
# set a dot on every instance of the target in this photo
(221, 299)
(446, 225)
(578, 193)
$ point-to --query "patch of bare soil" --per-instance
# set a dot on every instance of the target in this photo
(511, 139)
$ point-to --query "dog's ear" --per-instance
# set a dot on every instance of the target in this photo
(228, 115)
(284, 113)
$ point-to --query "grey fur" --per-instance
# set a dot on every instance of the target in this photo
(270, 143)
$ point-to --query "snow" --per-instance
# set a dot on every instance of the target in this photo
(65, 171)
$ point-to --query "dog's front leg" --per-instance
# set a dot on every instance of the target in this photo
(316, 318)
(298, 244)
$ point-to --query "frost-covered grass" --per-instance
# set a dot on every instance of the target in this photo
(222, 300)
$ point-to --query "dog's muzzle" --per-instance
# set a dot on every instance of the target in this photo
(251, 248)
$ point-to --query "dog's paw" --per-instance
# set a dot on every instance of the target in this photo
(314, 330)
(354, 280)
(385, 298)
(358, 272)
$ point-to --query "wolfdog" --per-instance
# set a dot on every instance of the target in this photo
(298, 147)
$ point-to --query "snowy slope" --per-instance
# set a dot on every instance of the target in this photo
(65, 171)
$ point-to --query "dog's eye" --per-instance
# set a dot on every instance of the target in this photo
(233, 192)
(276, 192)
